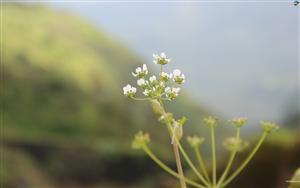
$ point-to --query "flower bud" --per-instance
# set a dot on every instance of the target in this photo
(210, 121)
(232, 144)
(140, 140)
(195, 141)
(239, 122)
(182, 120)
(269, 127)
(166, 118)
(179, 132)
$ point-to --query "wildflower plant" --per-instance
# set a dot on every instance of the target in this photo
(157, 89)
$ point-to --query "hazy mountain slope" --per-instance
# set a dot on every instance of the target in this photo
(64, 112)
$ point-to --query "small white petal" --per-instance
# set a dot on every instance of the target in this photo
(133, 89)
(176, 72)
(152, 78)
(141, 82)
(144, 67)
(138, 70)
(167, 89)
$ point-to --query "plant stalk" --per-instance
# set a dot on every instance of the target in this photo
(170, 171)
(201, 163)
(213, 152)
(188, 160)
(230, 161)
(178, 164)
(250, 156)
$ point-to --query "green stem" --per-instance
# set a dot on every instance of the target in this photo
(139, 99)
(213, 152)
(188, 160)
(175, 150)
(250, 156)
(170, 171)
(231, 159)
(201, 163)
(178, 164)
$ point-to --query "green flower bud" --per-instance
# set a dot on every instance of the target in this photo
(195, 141)
(232, 144)
(182, 120)
(140, 140)
(269, 127)
(179, 132)
(210, 121)
(166, 118)
(239, 122)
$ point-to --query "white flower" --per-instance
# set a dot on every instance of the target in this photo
(142, 82)
(165, 76)
(161, 59)
(129, 91)
(167, 89)
(178, 77)
(140, 72)
(152, 79)
(146, 92)
(172, 93)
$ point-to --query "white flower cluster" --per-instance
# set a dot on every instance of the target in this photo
(156, 87)
(161, 59)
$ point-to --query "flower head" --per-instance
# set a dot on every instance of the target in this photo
(232, 144)
(152, 79)
(140, 72)
(178, 77)
(238, 122)
(195, 141)
(140, 140)
(161, 59)
(210, 121)
(165, 76)
(142, 82)
(129, 91)
(269, 127)
(172, 93)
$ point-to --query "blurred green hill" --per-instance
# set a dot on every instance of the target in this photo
(66, 121)
(67, 124)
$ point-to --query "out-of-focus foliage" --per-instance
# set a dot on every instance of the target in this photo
(65, 118)
(295, 181)
(67, 123)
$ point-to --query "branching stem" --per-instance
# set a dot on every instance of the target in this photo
(250, 156)
(230, 161)
(170, 171)
(190, 163)
(201, 163)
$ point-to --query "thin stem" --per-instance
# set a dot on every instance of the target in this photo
(139, 99)
(170, 171)
(231, 159)
(176, 153)
(250, 156)
(178, 164)
(201, 163)
(213, 152)
(188, 160)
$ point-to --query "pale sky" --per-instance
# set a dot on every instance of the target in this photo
(240, 59)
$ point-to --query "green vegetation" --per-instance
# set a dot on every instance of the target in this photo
(64, 114)
(67, 124)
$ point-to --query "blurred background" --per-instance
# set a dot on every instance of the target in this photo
(65, 122)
